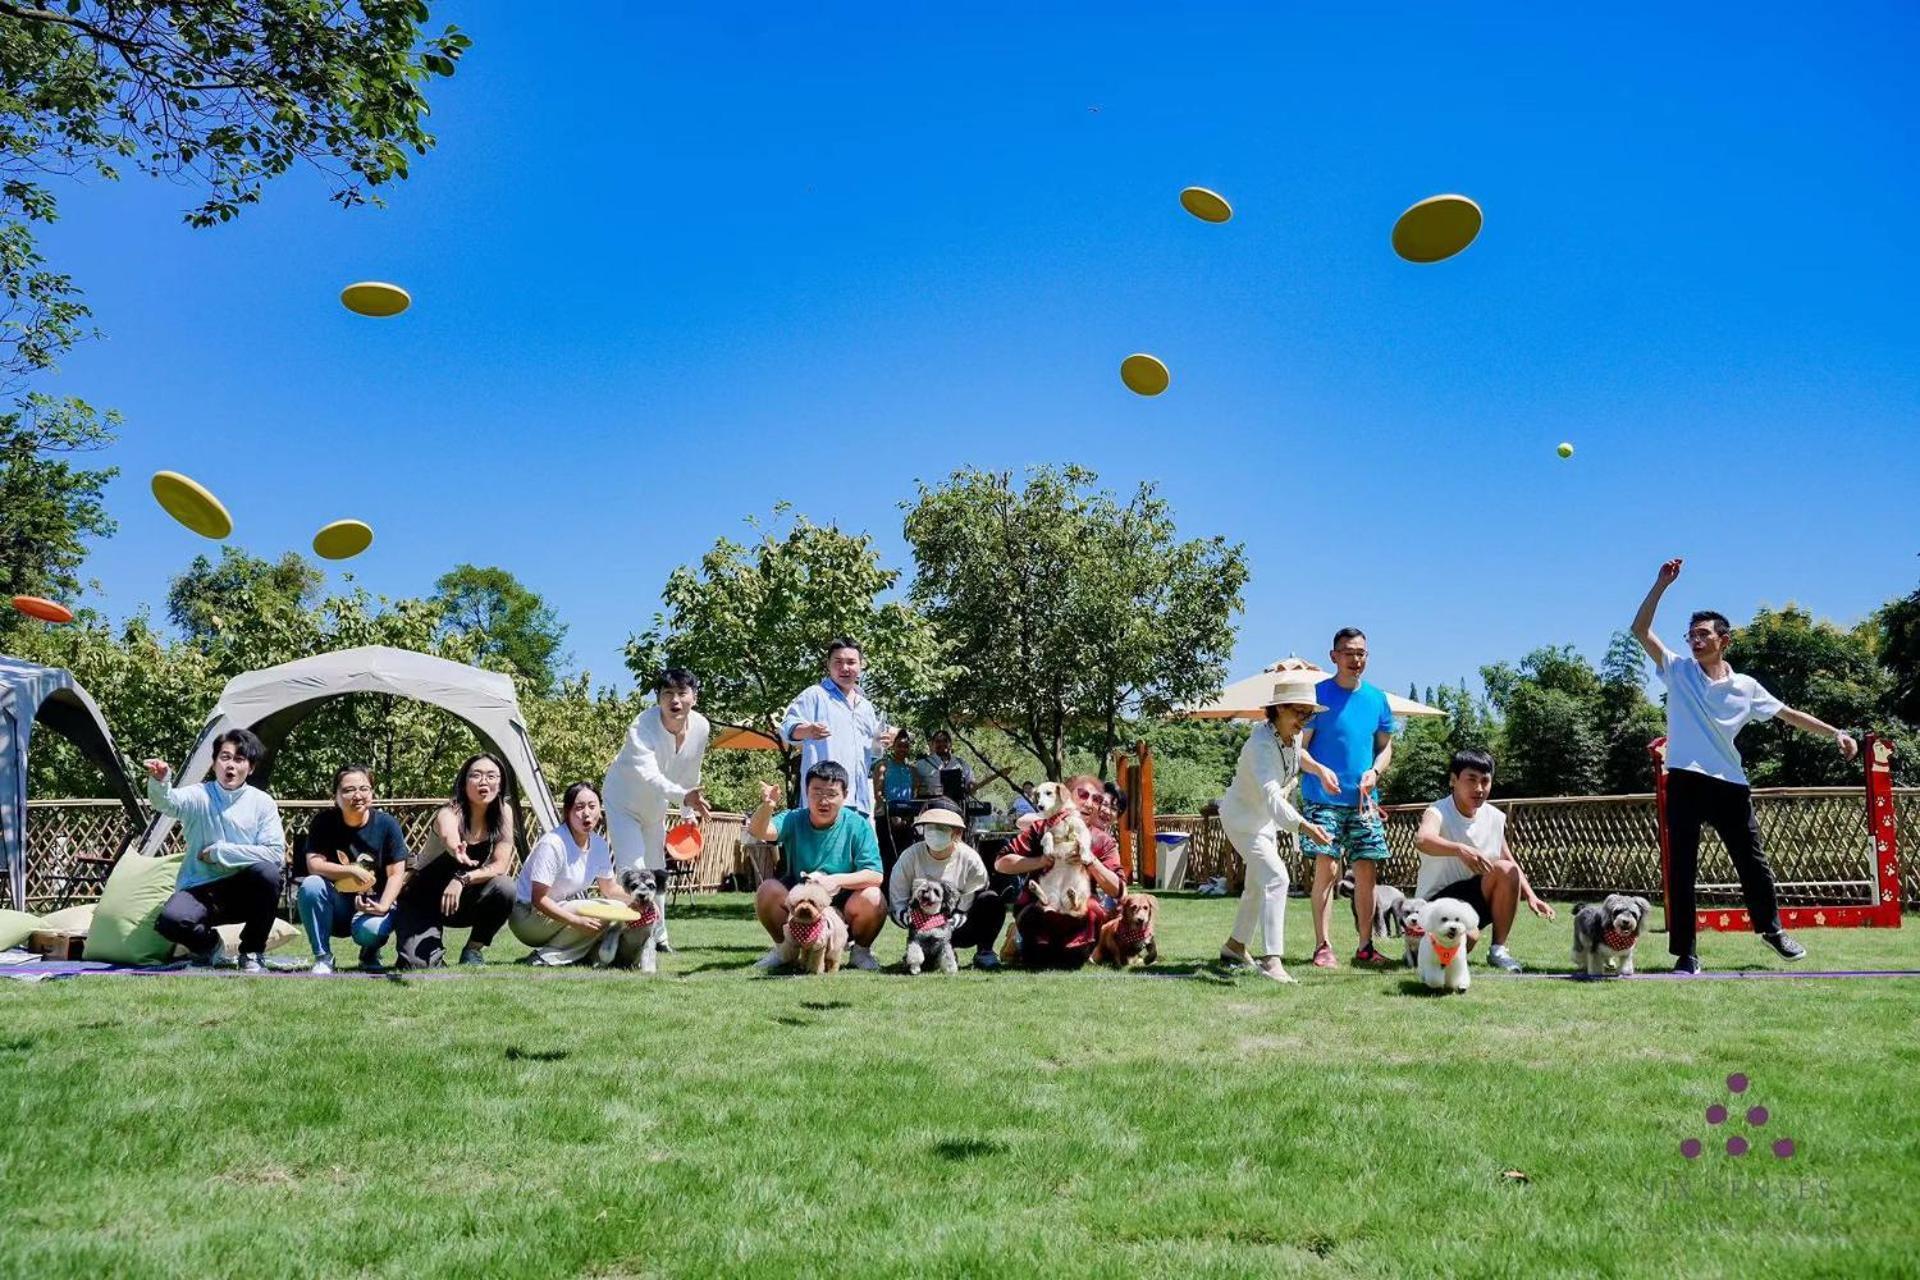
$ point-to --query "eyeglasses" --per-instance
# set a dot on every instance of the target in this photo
(356, 791)
(1702, 633)
(477, 776)
(1350, 653)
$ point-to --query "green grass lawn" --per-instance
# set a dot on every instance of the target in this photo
(709, 1122)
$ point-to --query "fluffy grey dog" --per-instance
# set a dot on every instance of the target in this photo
(617, 943)
(1387, 916)
(931, 916)
(1408, 915)
(1604, 936)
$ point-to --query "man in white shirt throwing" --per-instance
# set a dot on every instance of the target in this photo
(1708, 702)
(658, 767)
(1464, 854)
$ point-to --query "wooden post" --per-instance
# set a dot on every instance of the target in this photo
(1140, 797)
(1123, 832)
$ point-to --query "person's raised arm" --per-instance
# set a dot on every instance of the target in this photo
(760, 825)
(1814, 725)
(1643, 620)
(172, 801)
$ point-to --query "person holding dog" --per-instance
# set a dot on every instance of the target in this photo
(827, 841)
(1253, 813)
(1464, 855)
(1043, 939)
(941, 854)
(1708, 703)
(1344, 751)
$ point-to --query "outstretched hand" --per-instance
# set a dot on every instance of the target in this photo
(157, 769)
(1668, 572)
(1848, 747)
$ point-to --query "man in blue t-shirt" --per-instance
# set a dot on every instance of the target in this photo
(1343, 752)
(828, 841)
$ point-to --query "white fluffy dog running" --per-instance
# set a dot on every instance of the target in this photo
(1448, 925)
(1067, 887)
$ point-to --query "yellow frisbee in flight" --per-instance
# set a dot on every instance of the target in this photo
(375, 298)
(1208, 206)
(188, 501)
(1144, 374)
(1436, 228)
(607, 911)
(342, 540)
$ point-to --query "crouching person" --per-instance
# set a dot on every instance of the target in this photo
(940, 855)
(460, 879)
(236, 851)
(567, 868)
(355, 860)
(830, 843)
(1044, 939)
(1464, 855)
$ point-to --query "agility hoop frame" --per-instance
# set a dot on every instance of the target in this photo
(1882, 913)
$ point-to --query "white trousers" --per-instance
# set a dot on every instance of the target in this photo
(636, 842)
(1263, 903)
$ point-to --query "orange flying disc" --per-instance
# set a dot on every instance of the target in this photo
(43, 609)
(685, 842)
(1436, 228)
(189, 502)
(375, 298)
(1144, 374)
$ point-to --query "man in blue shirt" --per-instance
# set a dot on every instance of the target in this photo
(1351, 745)
(834, 721)
(827, 842)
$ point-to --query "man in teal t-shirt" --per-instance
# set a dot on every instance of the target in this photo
(1344, 750)
(829, 842)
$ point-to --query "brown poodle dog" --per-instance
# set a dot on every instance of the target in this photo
(1127, 939)
(815, 937)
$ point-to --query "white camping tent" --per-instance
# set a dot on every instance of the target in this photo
(31, 693)
(273, 702)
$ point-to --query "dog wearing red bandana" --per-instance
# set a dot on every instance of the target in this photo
(1127, 939)
(1067, 886)
(638, 882)
(932, 914)
(1604, 936)
(815, 937)
(1449, 927)
(1408, 910)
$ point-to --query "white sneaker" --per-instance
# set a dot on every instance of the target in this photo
(1271, 967)
(771, 960)
(322, 965)
(253, 962)
(863, 958)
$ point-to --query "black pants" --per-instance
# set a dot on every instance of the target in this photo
(249, 897)
(1727, 807)
(984, 920)
(419, 931)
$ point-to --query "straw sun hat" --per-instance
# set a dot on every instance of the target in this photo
(1296, 689)
(940, 813)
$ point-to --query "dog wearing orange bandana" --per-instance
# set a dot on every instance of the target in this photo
(1449, 926)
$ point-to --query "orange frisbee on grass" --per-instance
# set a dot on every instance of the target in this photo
(43, 609)
(685, 842)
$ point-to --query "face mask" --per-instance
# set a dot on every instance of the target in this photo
(938, 839)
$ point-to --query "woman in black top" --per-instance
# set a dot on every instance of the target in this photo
(354, 861)
(460, 878)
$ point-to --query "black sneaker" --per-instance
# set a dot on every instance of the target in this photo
(1687, 965)
(1787, 948)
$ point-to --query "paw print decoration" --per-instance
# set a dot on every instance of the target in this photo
(1738, 1144)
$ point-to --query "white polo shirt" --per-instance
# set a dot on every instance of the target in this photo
(1704, 715)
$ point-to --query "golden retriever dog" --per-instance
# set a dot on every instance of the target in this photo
(1127, 939)
(815, 937)
(1067, 887)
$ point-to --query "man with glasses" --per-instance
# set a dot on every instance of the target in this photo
(235, 852)
(834, 720)
(1351, 745)
(1708, 703)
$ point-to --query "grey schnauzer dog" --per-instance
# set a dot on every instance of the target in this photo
(617, 945)
(1407, 916)
(1604, 936)
(931, 916)
(1387, 915)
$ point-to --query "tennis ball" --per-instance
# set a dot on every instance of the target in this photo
(1566, 450)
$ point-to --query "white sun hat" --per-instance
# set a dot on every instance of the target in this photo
(1296, 689)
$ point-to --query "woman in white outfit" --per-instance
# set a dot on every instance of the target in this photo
(1254, 812)
(568, 866)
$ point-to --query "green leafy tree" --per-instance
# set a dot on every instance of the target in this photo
(1899, 652)
(1064, 612)
(1550, 741)
(211, 595)
(1820, 668)
(1628, 721)
(751, 621)
(49, 506)
(500, 619)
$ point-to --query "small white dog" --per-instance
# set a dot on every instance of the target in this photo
(1604, 936)
(1408, 910)
(1448, 925)
(1067, 887)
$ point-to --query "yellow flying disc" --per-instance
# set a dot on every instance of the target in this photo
(607, 911)
(342, 540)
(357, 880)
(374, 298)
(1208, 206)
(1565, 451)
(189, 502)
(1144, 374)
(1436, 228)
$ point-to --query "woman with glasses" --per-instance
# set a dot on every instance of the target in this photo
(354, 857)
(460, 879)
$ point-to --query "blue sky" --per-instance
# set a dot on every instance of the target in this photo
(671, 268)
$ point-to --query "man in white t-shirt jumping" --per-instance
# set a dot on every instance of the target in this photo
(1708, 702)
(1464, 855)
